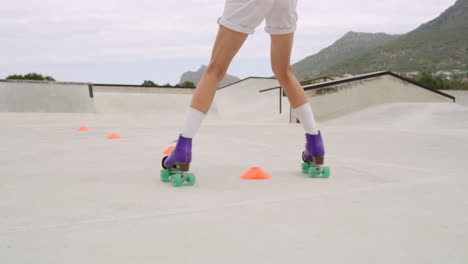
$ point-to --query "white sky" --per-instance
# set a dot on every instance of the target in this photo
(116, 41)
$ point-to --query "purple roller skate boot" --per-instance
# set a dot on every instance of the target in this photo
(314, 156)
(181, 156)
(177, 164)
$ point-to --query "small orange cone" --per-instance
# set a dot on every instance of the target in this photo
(168, 150)
(255, 173)
(83, 128)
(113, 136)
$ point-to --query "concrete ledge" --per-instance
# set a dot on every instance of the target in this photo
(46, 96)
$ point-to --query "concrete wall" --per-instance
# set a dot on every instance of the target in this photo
(336, 100)
(171, 103)
(243, 100)
(141, 90)
(41, 96)
(141, 103)
(460, 95)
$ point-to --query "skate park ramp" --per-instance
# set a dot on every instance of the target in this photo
(397, 191)
(342, 96)
(460, 95)
(42, 96)
(162, 103)
(244, 101)
(240, 101)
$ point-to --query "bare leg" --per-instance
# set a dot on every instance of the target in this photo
(228, 43)
(281, 47)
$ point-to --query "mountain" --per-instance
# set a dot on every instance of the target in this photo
(350, 45)
(441, 44)
(195, 77)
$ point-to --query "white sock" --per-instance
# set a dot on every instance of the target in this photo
(306, 117)
(192, 123)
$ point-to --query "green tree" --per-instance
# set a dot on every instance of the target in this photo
(438, 82)
(30, 76)
(187, 84)
(15, 77)
(148, 83)
(431, 81)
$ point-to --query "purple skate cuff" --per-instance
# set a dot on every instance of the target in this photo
(314, 145)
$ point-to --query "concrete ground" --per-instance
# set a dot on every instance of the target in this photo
(398, 191)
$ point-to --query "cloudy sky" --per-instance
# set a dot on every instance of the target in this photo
(117, 41)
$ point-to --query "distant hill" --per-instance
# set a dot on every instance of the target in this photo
(351, 45)
(195, 77)
(441, 44)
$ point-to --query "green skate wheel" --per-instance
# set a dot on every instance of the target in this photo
(313, 172)
(165, 175)
(305, 167)
(177, 180)
(325, 172)
(190, 179)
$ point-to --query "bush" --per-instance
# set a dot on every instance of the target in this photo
(187, 84)
(30, 76)
(148, 83)
(438, 82)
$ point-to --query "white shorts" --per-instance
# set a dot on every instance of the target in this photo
(245, 15)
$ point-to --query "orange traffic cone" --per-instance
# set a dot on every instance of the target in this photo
(255, 173)
(168, 150)
(83, 128)
(113, 136)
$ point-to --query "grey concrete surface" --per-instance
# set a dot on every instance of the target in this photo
(461, 97)
(42, 96)
(339, 99)
(122, 89)
(397, 194)
(243, 100)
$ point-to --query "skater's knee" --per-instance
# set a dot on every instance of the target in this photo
(216, 70)
(283, 73)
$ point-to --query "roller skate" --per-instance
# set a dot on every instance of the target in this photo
(314, 156)
(177, 164)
